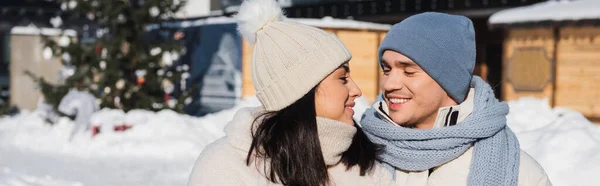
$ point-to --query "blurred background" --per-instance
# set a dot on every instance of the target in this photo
(128, 92)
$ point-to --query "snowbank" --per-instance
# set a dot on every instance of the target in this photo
(563, 141)
(549, 11)
(9, 177)
(163, 134)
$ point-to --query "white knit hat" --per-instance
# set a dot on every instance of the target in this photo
(289, 58)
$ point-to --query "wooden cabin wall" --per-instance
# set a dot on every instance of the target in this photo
(380, 71)
(247, 86)
(578, 70)
(524, 75)
(364, 67)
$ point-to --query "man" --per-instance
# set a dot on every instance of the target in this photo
(440, 124)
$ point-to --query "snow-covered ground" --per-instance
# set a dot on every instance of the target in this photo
(564, 142)
(161, 147)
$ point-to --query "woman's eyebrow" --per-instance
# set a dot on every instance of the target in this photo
(345, 67)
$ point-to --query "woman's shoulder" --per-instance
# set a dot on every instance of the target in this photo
(222, 150)
(216, 164)
(231, 149)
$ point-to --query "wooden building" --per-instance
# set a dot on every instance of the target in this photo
(552, 50)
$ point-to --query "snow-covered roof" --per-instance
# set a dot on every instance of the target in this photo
(326, 22)
(202, 8)
(32, 30)
(194, 8)
(329, 22)
(556, 10)
(206, 21)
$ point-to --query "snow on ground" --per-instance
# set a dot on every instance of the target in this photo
(564, 142)
(161, 147)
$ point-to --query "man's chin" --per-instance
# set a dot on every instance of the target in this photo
(412, 126)
(404, 124)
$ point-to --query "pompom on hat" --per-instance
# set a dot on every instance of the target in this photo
(289, 58)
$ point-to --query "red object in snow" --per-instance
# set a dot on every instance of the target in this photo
(167, 97)
(123, 127)
(95, 130)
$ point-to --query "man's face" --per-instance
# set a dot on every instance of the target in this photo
(413, 97)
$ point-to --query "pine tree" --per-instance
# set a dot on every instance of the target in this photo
(122, 65)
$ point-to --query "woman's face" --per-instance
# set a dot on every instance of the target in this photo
(335, 95)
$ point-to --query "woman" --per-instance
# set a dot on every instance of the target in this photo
(304, 133)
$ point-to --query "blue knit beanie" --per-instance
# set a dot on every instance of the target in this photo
(441, 44)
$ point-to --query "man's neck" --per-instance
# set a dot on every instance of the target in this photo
(455, 113)
(425, 126)
(428, 124)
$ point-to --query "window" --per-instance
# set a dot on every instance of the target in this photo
(529, 69)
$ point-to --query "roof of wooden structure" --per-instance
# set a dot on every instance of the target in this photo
(392, 11)
(557, 11)
(385, 11)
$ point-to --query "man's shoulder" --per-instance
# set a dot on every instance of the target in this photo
(456, 171)
(529, 162)
(531, 172)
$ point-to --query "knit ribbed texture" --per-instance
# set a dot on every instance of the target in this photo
(290, 59)
(441, 44)
(496, 149)
(335, 138)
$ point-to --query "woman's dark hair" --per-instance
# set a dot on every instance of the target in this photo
(288, 140)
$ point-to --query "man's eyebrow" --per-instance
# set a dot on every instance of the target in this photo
(406, 63)
(401, 63)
